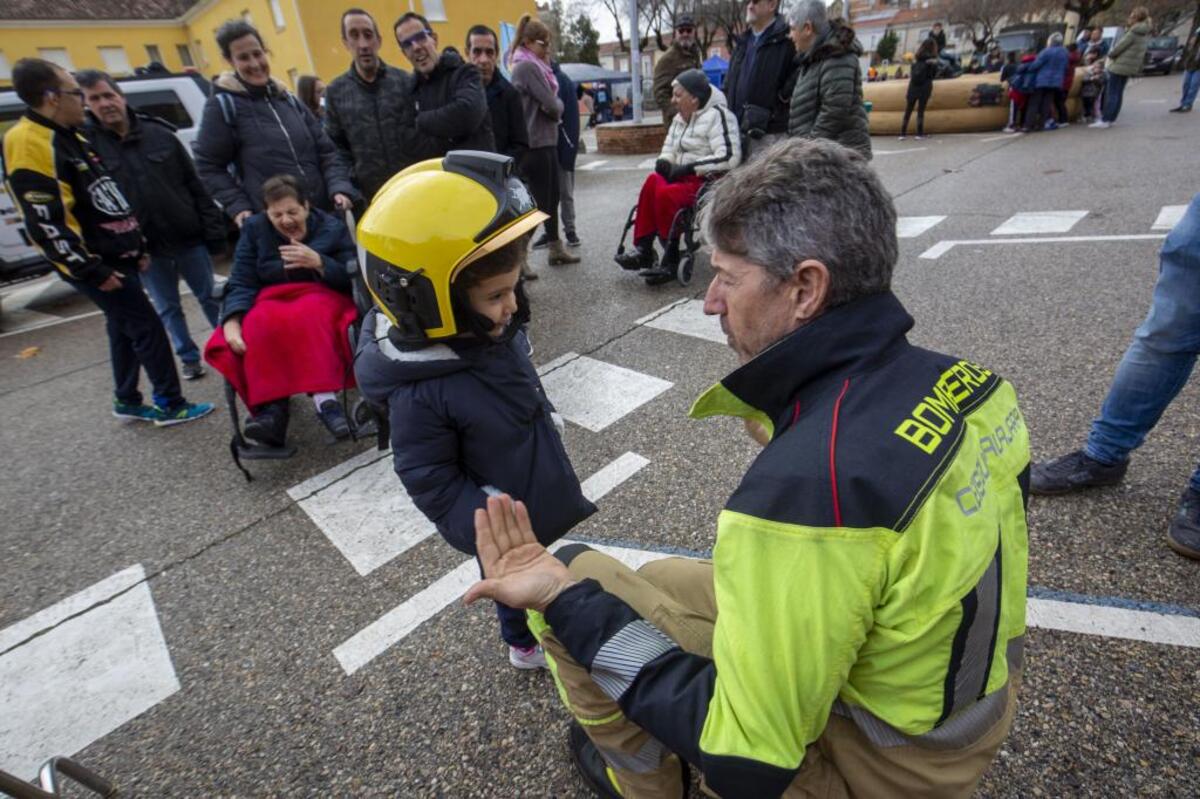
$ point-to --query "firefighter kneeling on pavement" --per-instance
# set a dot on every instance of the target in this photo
(859, 629)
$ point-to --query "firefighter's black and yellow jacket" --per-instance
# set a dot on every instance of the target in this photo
(871, 563)
(73, 209)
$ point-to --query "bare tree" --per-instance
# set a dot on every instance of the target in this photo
(1086, 9)
(714, 17)
(1164, 14)
(981, 20)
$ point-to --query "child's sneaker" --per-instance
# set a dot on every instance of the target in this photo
(135, 413)
(526, 659)
(183, 413)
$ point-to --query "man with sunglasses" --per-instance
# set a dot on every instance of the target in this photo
(762, 63)
(682, 55)
(75, 213)
(451, 107)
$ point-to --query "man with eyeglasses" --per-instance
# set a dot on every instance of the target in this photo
(504, 102)
(682, 55)
(75, 213)
(369, 110)
(451, 108)
(758, 73)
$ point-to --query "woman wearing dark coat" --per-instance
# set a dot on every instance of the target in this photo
(286, 312)
(253, 124)
(920, 86)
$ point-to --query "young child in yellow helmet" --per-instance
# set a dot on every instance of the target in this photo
(445, 350)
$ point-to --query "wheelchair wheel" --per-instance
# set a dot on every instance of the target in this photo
(683, 273)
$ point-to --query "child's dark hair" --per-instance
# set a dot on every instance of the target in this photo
(283, 186)
(509, 257)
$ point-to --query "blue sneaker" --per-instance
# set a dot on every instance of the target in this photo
(186, 412)
(135, 413)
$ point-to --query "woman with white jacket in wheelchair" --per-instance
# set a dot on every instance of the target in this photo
(702, 140)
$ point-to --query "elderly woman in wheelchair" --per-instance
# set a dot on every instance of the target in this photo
(702, 143)
(286, 312)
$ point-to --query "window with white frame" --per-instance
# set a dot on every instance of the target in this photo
(57, 55)
(277, 14)
(5, 67)
(435, 10)
(116, 62)
(185, 55)
(154, 54)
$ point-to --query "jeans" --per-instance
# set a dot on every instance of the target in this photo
(1191, 86)
(136, 340)
(162, 283)
(1114, 93)
(566, 198)
(1160, 359)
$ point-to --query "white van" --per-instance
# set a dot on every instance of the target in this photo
(179, 99)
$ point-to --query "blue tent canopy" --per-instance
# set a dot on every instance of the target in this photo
(715, 68)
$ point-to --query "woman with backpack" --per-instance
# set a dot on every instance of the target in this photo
(254, 128)
(920, 86)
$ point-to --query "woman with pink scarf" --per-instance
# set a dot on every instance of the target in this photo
(529, 63)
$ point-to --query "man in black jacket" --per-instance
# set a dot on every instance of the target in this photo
(76, 214)
(181, 222)
(369, 109)
(504, 102)
(451, 108)
(755, 86)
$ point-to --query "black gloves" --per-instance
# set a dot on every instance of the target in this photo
(673, 172)
(680, 171)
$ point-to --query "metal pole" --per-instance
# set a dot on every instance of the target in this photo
(635, 61)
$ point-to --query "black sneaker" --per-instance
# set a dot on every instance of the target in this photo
(542, 243)
(657, 276)
(1073, 471)
(334, 419)
(572, 239)
(269, 425)
(596, 773)
(636, 259)
(192, 370)
(1183, 536)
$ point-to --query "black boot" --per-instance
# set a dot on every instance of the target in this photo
(268, 425)
(642, 256)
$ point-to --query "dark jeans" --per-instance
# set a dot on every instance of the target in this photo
(540, 167)
(1114, 93)
(920, 103)
(1060, 106)
(1039, 109)
(136, 339)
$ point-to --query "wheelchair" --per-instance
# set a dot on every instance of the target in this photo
(365, 419)
(683, 240)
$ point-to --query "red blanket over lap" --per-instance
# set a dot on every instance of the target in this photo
(295, 344)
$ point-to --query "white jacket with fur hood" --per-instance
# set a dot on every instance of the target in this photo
(708, 141)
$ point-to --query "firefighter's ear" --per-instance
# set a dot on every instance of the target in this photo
(809, 289)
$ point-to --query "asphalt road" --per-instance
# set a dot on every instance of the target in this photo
(212, 670)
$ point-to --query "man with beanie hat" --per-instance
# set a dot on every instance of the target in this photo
(703, 139)
(684, 53)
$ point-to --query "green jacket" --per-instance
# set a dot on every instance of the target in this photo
(672, 62)
(1129, 54)
(827, 100)
(872, 562)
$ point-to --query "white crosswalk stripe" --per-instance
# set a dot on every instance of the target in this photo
(687, 318)
(1169, 217)
(909, 227)
(594, 394)
(1028, 222)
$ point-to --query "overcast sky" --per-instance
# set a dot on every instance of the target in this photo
(603, 20)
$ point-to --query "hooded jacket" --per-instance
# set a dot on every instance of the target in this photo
(373, 124)
(1128, 55)
(764, 97)
(469, 418)
(871, 564)
(257, 263)
(271, 133)
(452, 110)
(708, 141)
(73, 209)
(158, 177)
(666, 69)
(827, 101)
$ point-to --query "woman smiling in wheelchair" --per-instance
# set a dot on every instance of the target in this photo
(285, 314)
(702, 141)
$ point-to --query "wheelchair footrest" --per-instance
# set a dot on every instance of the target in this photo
(262, 452)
